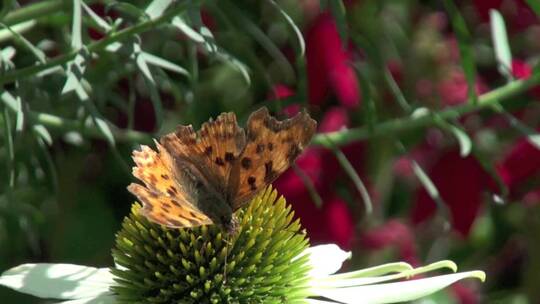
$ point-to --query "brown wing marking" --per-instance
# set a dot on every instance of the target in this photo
(272, 146)
(167, 211)
(214, 149)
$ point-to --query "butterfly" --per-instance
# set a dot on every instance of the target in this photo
(202, 177)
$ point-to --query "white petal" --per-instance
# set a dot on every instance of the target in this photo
(60, 281)
(101, 299)
(348, 280)
(325, 259)
(311, 301)
(394, 292)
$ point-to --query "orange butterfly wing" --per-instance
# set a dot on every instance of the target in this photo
(272, 146)
(167, 196)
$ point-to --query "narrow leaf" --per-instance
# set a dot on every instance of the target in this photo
(97, 19)
(162, 63)
(74, 72)
(43, 133)
(33, 49)
(465, 47)
(339, 12)
(141, 63)
(297, 31)
(156, 8)
(180, 24)
(8, 137)
(426, 181)
(465, 143)
(76, 33)
(500, 43)
(103, 126)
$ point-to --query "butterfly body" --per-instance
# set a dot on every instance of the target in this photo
(203, 177)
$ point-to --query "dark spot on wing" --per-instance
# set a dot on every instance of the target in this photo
(172, 191)
(229, 157)
(269, 173)
(251, 181)
(165, 176)
(259, 149)
(208, 150)
(152, 178)
(246, 163)
(175, 202)
(166, 206)
(270, 146)
(219, 161)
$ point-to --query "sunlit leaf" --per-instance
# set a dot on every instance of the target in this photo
(179, 23)
(76, 34)
(22, 27)
(33, 49)
(162, 63)
(104, 128)
(43, 133)
(500, 42)
(141, 63)
(97, 19)
(156, 8)
(465, 143)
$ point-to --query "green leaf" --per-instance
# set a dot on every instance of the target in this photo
(340, 15)
(22, 27)
(43, 133)
(104, 128)
(8, 137)
(74, 72)
(162, 63)
(535, 5)
(297, 31)
(465, 143)
(396, 91)
(370, 111)
(206, 39)
(141, 63)
(127, 9)
(353, 175)
(102, 24)
(426, 181)
(500, 42)
(76, 33)
(192, 34)
(465, 47)
(33, 49)
(156, 8)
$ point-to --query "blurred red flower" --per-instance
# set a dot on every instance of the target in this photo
(520, 164)
(392, 234)
(460, 182)
(328, 64)
(522, 70)
(517, 13)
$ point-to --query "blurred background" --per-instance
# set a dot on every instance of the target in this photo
(428, 112)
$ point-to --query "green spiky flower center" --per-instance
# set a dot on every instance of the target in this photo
(205, 265)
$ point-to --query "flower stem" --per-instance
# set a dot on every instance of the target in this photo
(97, 45)
(412, 122)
